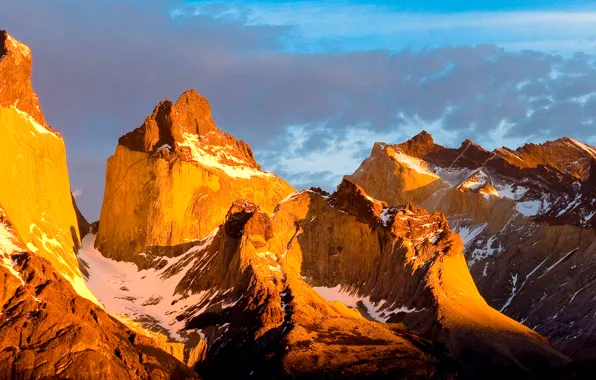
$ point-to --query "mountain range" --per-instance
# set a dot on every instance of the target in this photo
(426, 262)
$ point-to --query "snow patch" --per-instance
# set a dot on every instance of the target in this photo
(163, 147)
(127, 292)
(36, 126)
(571, 205)
(380, 311)
(513, 292)
(510, 191)
(412, 163)
(215, 161)
(386, 216)
(530, 208)
(7, 248)
(469, 233)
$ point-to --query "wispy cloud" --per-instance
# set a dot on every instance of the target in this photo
(345, 26)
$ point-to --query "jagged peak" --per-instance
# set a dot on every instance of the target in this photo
(423, 138)
(10, 44)
(186, 130)
(565, 141)
(16, 89)
(238, 215)
(353, 199)
(468, 144)
(420, 145)
(246, 218)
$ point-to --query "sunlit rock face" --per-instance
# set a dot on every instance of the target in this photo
(340, 284)
(216, 264)
(49, 328)
(34, 186)
(172, 180)
(49, 331)
(526, 217)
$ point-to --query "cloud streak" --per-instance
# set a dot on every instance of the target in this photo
(349, 26)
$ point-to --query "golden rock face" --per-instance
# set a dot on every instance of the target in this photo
(16, 67)
(404, 179)
(173, 179)
(35, 189)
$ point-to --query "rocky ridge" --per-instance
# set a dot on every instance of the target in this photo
(344, 285)
(214, 260)
(525, 217)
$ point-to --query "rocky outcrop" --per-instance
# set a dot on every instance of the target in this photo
(16, 89)
(172, 180)
(343, 285)
(525, 216)
(35, 189)
(48, 331)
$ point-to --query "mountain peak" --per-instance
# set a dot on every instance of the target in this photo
(420, 145)
(187, 129)
(423, 138)
(351, 198)
(564, 154)
(16, 89)
(9, 44)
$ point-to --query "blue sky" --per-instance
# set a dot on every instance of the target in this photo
(311, 85)
(325, 26)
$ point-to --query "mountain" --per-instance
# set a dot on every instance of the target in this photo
(48, 331)
(48, 326)
(203, 263)
(526, 218)
(35, 189)
(342, 285)
(172, 180)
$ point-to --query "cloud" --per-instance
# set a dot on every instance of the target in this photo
(310, 117)
(346, 26)
(77, 193)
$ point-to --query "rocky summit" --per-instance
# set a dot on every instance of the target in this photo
(526, 217)
(426, 263)
(177, 174)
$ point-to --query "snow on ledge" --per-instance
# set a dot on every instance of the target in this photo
(411, 162)
(380, 311)
(199, 155)
(40, 129)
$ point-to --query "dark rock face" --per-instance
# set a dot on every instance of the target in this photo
(238, 215)
(84, 225)
(48, 331)
(526, 217)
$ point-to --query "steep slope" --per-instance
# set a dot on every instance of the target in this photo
(261, 291)
(48, 331)
(525, 216)
(173, 179)
(35, 190)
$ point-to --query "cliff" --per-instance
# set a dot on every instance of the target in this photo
(35, 191)
(173, 179)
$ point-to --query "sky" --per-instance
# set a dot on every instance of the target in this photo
(311, 85)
